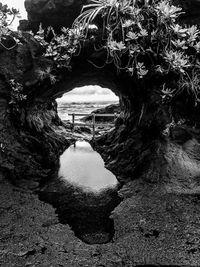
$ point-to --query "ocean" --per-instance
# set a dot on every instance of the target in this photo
(64, 108)
(85, 100)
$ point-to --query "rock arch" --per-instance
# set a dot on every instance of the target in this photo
(155, 158)
(144, 127)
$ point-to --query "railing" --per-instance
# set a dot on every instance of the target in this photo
(93, 122)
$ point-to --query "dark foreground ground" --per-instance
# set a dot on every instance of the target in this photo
(32, 236)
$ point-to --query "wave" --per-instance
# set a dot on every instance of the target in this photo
(65, 108)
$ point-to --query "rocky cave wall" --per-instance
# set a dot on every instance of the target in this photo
(24, 127)
(154, 149)
(33, 135)
(143, 118)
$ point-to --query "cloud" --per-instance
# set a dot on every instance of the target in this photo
(89, 94)
(90, 90)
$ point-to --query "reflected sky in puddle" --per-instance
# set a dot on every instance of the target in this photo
(84, 167)
(84, 194)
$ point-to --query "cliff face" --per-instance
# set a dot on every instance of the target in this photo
(154, 149)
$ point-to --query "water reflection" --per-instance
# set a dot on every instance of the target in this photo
(84, 194)
(82, 166)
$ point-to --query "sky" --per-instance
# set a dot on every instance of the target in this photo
(91, 93)
(18, 4)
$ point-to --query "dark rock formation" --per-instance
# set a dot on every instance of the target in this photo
(25, 126)
(59, 13)
(154, 150)
(191, 9)
(110, 109)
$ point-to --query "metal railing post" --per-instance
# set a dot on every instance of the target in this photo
(93, 122)
(93, 125)
(73, 121)
(115, 117)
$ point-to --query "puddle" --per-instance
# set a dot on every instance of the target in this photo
(84, 167)
(84, 194)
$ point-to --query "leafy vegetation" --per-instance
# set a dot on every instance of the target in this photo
(142, 38)
(46, 74)
(60, 50)
(17, 94)
(62, 47)
(7, 16)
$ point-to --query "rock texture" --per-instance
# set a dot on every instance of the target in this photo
(59, 13)
(155, 225)
(154, 151)
(155, 159)
(191, 9)
(110, 109)
(24, 127)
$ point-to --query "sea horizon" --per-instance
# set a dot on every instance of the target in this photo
(64, 108)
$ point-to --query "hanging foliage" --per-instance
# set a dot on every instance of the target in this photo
(145, 39)
(7, 16)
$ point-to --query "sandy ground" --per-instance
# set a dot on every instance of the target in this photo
(152, 229)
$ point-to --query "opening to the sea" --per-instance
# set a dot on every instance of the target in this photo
(86, 99)
(84, 194)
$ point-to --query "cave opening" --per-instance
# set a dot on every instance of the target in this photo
(87, 100)
(83, 192)
(155, 146)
